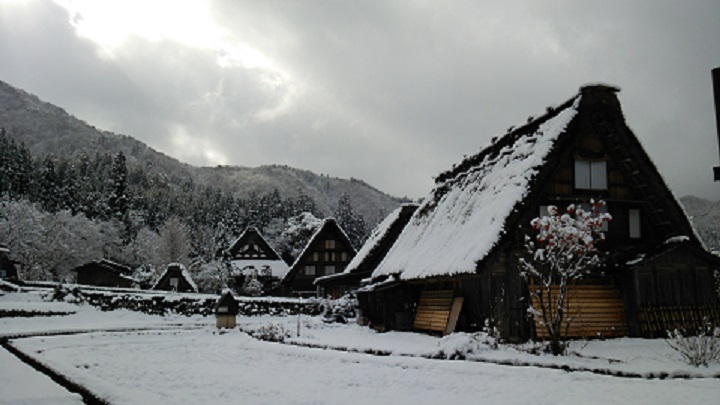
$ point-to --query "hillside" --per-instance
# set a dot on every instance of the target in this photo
(47, 129)
(705, 216)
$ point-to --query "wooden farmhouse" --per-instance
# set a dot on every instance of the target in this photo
(175, 278)
(8, 271)
(327, 252)
(104, 273)
(252, 256)
(368, 257)
(455, 265)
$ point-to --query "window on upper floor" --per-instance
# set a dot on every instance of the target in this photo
(634, 224)
(330, 244)
(591, 175)
(309, 270)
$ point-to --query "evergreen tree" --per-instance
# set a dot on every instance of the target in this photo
(118, 199)
(352, 223)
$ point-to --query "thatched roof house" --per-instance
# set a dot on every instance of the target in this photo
(104, 273)
(251, 252)
(175, 278)
(327, 252)
(466, 236)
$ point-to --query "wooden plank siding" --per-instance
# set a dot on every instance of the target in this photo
(590, 311)
(437, 311)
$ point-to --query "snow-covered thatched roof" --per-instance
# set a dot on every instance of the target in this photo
(176, 269)
(377, 245)
(329, 225)
(464, 217)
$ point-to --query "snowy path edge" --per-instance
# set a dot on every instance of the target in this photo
(88, 396)
(564, 367)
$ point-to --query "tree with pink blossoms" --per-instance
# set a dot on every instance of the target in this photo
(562, 251)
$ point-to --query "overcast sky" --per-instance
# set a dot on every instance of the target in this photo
(390, 92)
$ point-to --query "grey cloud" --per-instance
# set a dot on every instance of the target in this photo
(391, 92)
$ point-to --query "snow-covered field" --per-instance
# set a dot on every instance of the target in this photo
(182, 360)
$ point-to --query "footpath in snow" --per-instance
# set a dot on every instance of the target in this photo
(22, 384)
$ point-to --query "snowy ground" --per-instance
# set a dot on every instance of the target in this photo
(193, 363)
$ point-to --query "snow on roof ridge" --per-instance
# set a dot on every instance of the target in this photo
(465, 214)
(375, 237)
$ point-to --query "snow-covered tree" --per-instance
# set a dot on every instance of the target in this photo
(49, 245)
(292, 240)
(561, 252)
(118, 199)
(351, 222)
(210, 277)
(252, 286)
(174, 244)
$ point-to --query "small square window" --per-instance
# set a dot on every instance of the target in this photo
(173, 282)
(309, 270)
(330, 244)
(329, 270)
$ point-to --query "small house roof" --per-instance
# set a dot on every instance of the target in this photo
(252, 234)
(328, 225)
(106, 264)
(180, 270)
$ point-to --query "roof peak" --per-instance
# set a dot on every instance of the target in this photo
(598, 87)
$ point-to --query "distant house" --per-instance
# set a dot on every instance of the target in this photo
(175, 278)
(8, 271)
(368, 257)
(457, 258)
(252, 256)
(327, 252)
(104, 273)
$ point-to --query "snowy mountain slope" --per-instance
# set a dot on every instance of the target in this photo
(705, 217)
(48, 129)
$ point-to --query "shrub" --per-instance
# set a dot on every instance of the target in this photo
(699, 350)
(271, 333)
(339, 310)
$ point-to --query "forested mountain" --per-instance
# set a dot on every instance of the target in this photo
(70, 193)
(46, 129)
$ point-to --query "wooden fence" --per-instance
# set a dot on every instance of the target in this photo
(656, 321)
